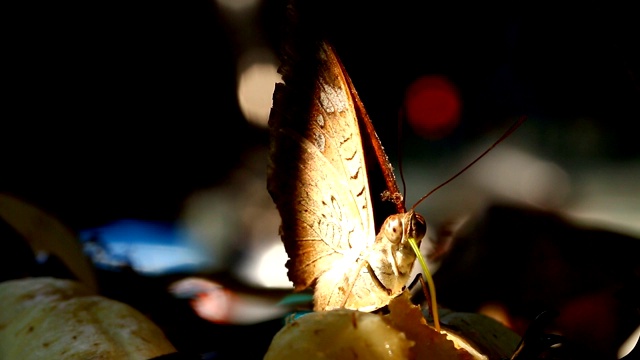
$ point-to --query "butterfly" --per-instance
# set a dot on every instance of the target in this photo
(321, 177)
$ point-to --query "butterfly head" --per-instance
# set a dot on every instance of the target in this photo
(404, 226)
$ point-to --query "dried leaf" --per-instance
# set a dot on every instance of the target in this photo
(429, 343)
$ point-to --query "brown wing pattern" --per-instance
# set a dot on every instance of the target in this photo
(318, 181)
(324, 159)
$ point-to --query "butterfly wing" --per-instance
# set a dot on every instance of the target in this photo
(318, 181)
(387, 198)
(318, 175)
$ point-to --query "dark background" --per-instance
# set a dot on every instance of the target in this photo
(121, 108)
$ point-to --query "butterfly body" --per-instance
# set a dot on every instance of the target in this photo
(319, 179)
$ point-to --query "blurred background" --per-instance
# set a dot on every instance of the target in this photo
(141, 125)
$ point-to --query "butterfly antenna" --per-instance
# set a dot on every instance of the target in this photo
(404, 185)
(509, 131)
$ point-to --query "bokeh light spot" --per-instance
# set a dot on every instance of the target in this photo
(433, 106)
(258, 69)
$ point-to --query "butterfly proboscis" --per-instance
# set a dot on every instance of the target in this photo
(431, 295)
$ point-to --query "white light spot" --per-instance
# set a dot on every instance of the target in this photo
(265, 267)
(629, 344)
(258, 74)
(237, 5)
(518, 175)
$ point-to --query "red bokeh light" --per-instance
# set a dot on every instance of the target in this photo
(432, 106)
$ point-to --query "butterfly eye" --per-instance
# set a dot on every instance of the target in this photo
(393, 228)
(417, 226)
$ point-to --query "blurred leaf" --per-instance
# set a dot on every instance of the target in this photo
(44, 233)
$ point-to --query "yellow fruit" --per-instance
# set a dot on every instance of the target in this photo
(49, 318)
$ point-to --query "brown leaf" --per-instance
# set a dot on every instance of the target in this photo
(429, 343)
